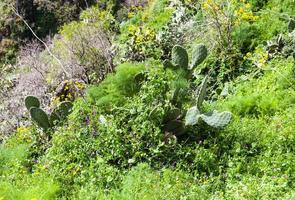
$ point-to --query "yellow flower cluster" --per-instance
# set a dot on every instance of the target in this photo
(134, 10)
(71, 90)
(141, 34)
(23, 134)
(245, 13)
(241, 10)
(259, 58)
(209, 5)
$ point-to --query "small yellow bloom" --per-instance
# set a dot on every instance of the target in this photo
(248, 5)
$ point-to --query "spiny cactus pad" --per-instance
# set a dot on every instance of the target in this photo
(54, 119)
(32, 101)
(214, 119)
(217, 119)
(192, 116)
(62, 111)
(201, 92)
(179, 57)
(199, 54)
(40, 117)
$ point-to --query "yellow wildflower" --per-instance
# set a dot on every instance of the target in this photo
(248, 5)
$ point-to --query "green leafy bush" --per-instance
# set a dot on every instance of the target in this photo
(17, 178)
(118, 86)
(257, 98)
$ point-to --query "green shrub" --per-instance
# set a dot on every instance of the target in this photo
(256, 97)
(118, 86)
(17, 179)
(138, 40)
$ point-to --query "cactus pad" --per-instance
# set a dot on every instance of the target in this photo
(199, 55)
(192, 116)
(32, 101)
(291, 25)
(217, 119)
(167, 64)
(201, 92)
(54, 119)
(61, 112)
(40, 117)
(179, 57)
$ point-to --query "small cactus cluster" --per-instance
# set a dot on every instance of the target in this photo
(214, 119)
(43, 120)
(180, 58)
(175, 121)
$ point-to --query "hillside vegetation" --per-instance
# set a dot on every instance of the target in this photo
(156, 99)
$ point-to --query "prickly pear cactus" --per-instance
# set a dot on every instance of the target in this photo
(167, 64)
(62, 111)
(199, 54)
(291, 25)
(179, 57)
(192, 116)
(54, 119)
(201, 92)
(217, 119)
(32, 101)
(40, 117)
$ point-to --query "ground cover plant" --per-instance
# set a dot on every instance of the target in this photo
(155, 99)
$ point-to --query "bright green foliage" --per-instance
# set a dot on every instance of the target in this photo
(144, 132)
(16, 179)
(144, 183)
(40, 117)
(32, 101)
(116, 87)
(199, 54)
(138, 40)
(179, 57)
(257, 98)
